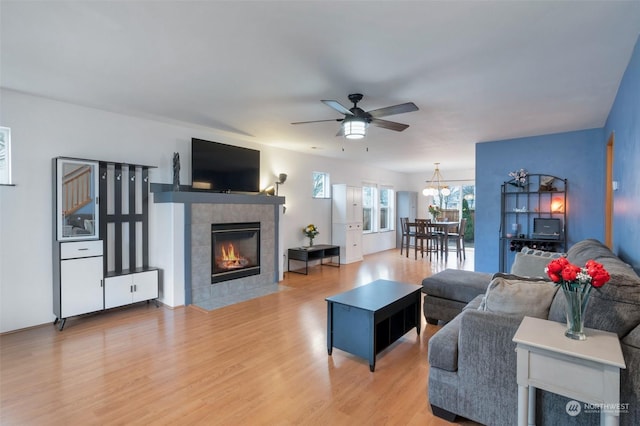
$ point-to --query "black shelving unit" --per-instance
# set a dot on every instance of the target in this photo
(541, 196)
(131, 211)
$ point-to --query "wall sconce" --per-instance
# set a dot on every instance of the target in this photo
(557, 205)
(273, 190)
(270, 190)
(282, 177)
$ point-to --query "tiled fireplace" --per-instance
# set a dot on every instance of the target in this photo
(194, 213)
(209, 294)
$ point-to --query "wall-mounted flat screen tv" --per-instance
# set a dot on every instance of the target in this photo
(218, 167)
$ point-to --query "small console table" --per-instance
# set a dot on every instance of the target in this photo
(587, 371)
(305, 254)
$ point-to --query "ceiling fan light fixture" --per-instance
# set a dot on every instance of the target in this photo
(354, 128)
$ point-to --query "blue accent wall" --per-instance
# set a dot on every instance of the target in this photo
(580, 157)
(577, 156)
(624, 121)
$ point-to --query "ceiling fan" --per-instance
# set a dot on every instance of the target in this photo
(356, 120)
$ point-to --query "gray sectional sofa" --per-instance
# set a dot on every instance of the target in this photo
(472, 357)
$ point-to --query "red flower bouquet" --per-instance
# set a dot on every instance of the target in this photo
(576, 283)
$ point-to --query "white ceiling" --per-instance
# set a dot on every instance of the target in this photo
(478, 71)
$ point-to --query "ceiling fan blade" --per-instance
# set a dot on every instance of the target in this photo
(337, 106)
(391, 125)
(340, 132)
(317, 121)
(395, 109)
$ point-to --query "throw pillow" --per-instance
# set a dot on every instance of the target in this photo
(531, 263)
(519, 297)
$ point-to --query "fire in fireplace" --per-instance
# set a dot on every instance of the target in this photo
(235, 250)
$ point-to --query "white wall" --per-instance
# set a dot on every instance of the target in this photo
(43, 129)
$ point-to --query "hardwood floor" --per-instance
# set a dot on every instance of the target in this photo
(263, 361)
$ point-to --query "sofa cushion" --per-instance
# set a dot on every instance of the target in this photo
(519, 296)
(531, 263)
(454, 284)
(633, 338)
(588, 249)
(443, 346)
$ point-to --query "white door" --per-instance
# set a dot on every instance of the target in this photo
(81, 286)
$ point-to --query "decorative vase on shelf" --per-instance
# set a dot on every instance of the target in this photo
(310, 242)
(576, 306)
(519, 186)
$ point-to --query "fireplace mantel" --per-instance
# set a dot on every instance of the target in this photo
(164, 194)
(201, 209)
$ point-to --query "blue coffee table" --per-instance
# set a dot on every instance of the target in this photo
(366, 320)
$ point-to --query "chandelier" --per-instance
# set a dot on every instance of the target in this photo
(435, 186)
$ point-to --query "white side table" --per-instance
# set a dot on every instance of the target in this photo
(587, 371)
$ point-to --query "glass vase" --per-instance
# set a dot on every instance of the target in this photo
(310, 241)
(576, 305)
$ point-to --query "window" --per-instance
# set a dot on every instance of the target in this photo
(368, 204)
(469, 195)
(386, 209)
(454, 201)
(461, 203)
(377, 208)
(321, 185)
(5, 156)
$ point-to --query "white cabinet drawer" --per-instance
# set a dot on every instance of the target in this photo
(77, 249)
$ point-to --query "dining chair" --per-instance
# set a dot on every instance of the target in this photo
(459, 237)
(424, 233)
(436, 237)
(407, 234)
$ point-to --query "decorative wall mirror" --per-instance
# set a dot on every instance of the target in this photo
(77, 199)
